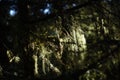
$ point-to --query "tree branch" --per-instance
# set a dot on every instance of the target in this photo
(66, 11)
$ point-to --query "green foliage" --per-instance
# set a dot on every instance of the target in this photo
(82, 45)
(93, 74)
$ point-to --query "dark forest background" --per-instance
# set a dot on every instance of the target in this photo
(59, 39)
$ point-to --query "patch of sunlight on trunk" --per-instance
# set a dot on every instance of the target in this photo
(35, 58)
(80, 41)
